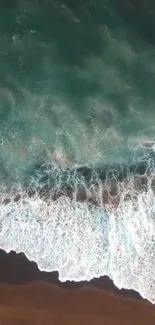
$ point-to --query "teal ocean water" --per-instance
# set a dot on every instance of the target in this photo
(76, 78)
(77, 89)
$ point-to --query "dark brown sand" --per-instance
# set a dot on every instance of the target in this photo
(28, 296)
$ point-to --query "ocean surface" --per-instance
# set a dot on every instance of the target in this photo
(77, 104)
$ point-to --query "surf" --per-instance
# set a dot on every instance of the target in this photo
(86, 222)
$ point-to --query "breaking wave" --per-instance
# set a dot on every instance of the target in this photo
(82, 240)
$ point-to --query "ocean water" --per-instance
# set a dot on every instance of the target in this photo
(77, 91)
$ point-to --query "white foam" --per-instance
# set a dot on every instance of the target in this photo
(82, 242)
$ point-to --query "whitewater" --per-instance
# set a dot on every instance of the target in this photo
(82, 240)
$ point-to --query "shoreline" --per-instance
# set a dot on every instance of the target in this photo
(16, 269)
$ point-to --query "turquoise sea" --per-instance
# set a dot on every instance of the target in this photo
(76, 81)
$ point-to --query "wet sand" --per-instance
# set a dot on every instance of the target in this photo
(29, 296)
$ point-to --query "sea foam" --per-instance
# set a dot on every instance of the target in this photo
(83, 241)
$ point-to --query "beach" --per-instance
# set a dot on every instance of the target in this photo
(29, 296)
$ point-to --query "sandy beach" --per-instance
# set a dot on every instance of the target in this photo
(29, 296)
